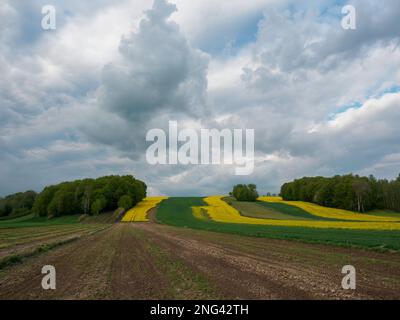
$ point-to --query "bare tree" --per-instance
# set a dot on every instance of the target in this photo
(86, 199)
(361, 188)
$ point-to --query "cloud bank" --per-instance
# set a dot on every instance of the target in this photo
(78, 101)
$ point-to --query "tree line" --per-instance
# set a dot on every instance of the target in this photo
(17, 204)
(350, 192)
(88, 196)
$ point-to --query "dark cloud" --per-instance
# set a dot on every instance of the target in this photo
(158, 71)
(78, 102)
(158, 76)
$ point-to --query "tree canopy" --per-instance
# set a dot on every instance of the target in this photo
(245, 192)
(89, 196)
(350, 192)
(16, 204)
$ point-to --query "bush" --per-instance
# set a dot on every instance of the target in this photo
(125, 202)
(243, 192)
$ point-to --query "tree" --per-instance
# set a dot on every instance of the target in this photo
(125, 202)
(242, 192)
(350, 192)
(86, 199)
(5, 209)
(43, 200)
(361, 189)
(62, 202)
(17, 203)
(89, 196)
(98, 205)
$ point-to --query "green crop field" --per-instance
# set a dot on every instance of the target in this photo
(271, 210)
(178, 212)
(183, 256)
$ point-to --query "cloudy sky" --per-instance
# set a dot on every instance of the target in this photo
(78, 101)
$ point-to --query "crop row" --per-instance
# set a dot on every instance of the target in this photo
(333, 213)
(220, 211)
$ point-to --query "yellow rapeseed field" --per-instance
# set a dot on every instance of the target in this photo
(219, 211)
(139, 212)
(333, 213)
(199, 213)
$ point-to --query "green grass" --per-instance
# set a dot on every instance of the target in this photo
(15, 216)
(177, 212)
(293, 211)
(17, 219)
(31, 221)
(257, 210)
(270, 210)
(384, 213)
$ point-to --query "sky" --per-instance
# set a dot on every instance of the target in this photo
(77, 101)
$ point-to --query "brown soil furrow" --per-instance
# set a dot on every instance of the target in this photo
(117, 263)
(237, 276)
(134, 274)
(152, 261)
(78, 266)
(21, 248)
(314, 278)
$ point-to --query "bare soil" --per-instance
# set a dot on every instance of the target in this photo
(152, 261)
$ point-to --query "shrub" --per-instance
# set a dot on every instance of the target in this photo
(243, 192)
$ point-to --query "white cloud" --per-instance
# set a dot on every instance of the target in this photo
(77, 102)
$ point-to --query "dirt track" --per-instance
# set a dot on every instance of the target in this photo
(151, 261)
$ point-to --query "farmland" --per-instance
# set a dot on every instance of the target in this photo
(228, 220)
(325, 212)
(220, 211)
(187, 249)
(26, 236)
(139, 212)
